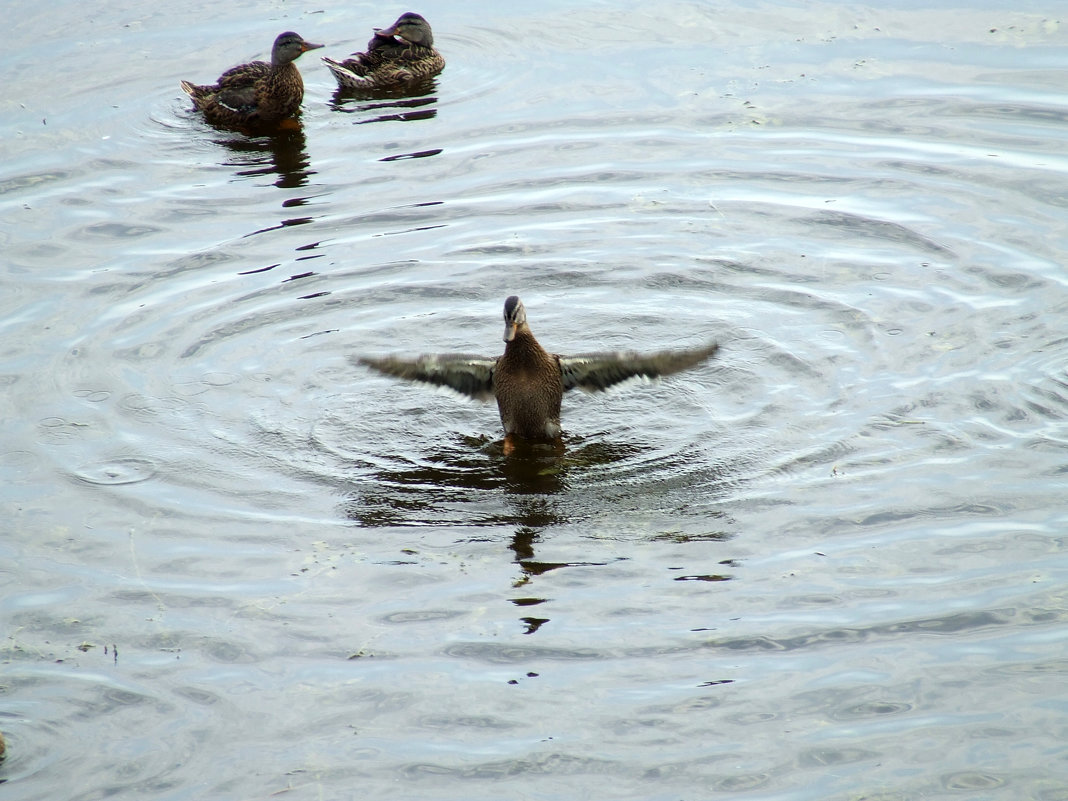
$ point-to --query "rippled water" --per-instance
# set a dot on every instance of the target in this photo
(829, 565)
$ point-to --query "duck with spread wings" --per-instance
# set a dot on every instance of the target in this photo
(527, 381)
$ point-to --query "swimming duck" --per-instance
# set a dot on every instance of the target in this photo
(402, 53)
(529, 382)
(256, 93)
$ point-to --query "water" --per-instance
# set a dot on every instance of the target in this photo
(829, 565)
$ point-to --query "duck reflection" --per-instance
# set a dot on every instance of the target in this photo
(283, 153)
(414, 101)
(464, 485)
(471, 483)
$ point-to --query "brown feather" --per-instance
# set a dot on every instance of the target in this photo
(256, 93)
(529, 382)
(401, 54)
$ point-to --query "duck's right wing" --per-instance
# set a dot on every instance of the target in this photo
(466, 374)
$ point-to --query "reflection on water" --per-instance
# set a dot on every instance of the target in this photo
(448, 484)
(802, 572)
(284, 153)
(461, 485)
(405, 103)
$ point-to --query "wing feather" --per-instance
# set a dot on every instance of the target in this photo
(597, 371)
(466, 374)
(244, 75)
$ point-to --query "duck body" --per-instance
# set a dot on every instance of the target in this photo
(257, 93)
(528, 382)
(400, 54)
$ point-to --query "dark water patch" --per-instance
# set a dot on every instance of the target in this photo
(227, 651)
(34, 181)
(289, 223)
(826, 757)
(268, 268)
(198, 695)
(512, 654)
(117, 231)
(871, 709)
(421, 616)
(421, 154)
(284, 155)
(880, 230)
(951, 625)
(971, 781)
(681, 537)
(551, 764)
(450, 722)
(703, 577)
(742, 783)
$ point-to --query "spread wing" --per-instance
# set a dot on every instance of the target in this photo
(596, 371)
(468, 375)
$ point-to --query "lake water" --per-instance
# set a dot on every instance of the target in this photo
(831, 564)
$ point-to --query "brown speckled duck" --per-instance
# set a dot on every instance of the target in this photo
(529, 382)
(402, 53)
(256, 93)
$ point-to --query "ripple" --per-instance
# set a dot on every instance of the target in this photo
(971, 781)
(119, 230)
(92, 395)
(508, 655)
(128, 470)
(871, 709)
(825, 757)
(421, 616)
(872, 227)
(948, 625)
(742, 783)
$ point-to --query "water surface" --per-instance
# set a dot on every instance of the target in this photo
(828, 565)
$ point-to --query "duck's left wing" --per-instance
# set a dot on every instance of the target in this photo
(466, 374)
(244, 75)
(596, 371)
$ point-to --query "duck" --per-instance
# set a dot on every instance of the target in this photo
(401, 54)
(256, 93)
(527, 381)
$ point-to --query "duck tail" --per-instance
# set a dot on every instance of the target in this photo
(346, 78)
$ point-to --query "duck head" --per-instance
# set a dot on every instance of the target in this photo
(515, 317)
(410, 27)
(288, 47)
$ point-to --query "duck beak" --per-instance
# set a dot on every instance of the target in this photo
(509, 331)
(385, 33)
(306, 46)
